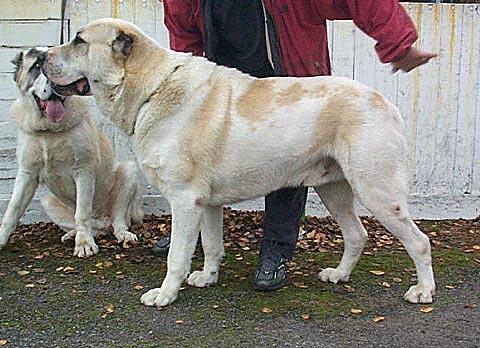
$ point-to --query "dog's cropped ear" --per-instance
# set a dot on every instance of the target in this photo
(17, 61)
(122, 45)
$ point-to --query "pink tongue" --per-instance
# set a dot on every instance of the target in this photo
(55, 110)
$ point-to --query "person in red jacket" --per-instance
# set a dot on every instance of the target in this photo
(284, 38)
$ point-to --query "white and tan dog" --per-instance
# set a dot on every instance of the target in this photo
(60, 146)
(207, 135)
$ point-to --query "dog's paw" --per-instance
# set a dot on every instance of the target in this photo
(333, 275)
(84, 246)
(125, 237)
(201, 279)
(159, 297)
(420, 294)
(69, 235)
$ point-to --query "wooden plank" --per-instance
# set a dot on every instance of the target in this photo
(28, 33)
(99, 9)
(8, 89)
(78, 12)
(466, 92)
(426, 79)
(161, 32)
(145, 16)
(30, 9)
(343, 49)
(476, 152)
(447, 100)
(407, 91)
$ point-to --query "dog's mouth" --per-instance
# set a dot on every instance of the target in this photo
(80, 87)
(52, 108)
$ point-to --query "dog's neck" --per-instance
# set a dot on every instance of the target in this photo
(29, 117)
(143, 75)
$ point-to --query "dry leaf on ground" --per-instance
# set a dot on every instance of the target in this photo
(378, 319)
(426, 309)
(355, 311)
(377, 273)
(267, 310)
(3, 342)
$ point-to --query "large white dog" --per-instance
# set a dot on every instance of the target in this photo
(60, 146)
(207, 135)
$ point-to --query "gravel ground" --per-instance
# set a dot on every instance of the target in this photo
(49, 298)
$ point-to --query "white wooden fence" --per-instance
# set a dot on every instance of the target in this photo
(440, 102)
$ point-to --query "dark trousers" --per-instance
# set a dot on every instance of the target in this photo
(283, 210)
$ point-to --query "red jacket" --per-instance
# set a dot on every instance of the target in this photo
(302, 31)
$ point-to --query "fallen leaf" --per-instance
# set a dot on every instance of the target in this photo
(305, 316)
(449, 287)
(215, 306)
(59, 269)
(109, 308)
(92, 272)
(300, 285)
(378, 319)
(180, 322)
(349, 288)
(138, 287)
(426, 309)
(103, 316)
(39, 270)
(470, 306)
(355, 311)
(476, 247)
(385, 284)
(99, 265)
(397, 280)
(267, 310)
(476, 260)
(107, 264)
(3, 342)
(378, 273)
(23, 273)
(30, 286)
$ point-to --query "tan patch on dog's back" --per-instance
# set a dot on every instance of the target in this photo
(339, 118)
(206, 136)
(257, 102)
(378, 102)
(291, 95)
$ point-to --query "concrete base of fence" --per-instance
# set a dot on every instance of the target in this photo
(430, 207)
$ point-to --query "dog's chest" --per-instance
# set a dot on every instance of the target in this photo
(58, 161)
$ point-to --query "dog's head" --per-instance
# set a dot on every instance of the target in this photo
(32, 82)
(95, 58)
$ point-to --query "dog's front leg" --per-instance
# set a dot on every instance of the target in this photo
(26, 184)
(84, 243)
(185, 227)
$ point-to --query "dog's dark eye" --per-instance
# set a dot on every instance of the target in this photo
(78, 40)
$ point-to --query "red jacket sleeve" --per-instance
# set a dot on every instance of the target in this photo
(386, 21)
(183, 27)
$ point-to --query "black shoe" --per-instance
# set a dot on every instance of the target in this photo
(161, 247)
(271, 274)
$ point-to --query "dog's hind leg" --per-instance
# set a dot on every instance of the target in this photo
(338, 198)
(211, 227)
(58, 212)
(377, 172)
(64, 216)
(126, 198)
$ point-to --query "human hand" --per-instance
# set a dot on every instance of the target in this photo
(412, 59)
